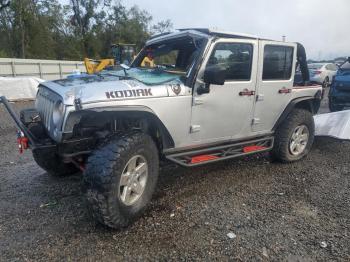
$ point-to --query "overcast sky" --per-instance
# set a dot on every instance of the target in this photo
(323, 26)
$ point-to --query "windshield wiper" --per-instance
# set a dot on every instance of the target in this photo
(125, 77)
(119, 76)
(102, 75)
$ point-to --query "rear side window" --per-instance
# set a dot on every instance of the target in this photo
(278, 62)
(235, 57)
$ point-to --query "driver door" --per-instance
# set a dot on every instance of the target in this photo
(226, 111)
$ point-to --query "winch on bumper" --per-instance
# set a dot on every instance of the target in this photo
(32, 134)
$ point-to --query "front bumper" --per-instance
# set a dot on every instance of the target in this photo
(33, 142)
(65, 149)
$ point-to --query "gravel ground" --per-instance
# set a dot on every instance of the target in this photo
(276, 212)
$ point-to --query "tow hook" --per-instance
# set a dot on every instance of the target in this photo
(22, 141)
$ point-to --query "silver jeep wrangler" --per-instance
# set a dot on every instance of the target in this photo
(191, 97)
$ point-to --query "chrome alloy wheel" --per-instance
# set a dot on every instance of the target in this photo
(299, 140)
(133, 180)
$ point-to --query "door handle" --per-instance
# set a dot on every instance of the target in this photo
(247, 92)
(285, 90)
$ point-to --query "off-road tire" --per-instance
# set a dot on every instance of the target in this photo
(333, 107)
(102, 178)
(281, 150)
(53, 164)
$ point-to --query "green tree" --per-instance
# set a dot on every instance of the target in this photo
(47, 29)
(86, 15)
(4, 4)
(162, 27)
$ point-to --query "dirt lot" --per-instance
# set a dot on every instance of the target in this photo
(295, 212)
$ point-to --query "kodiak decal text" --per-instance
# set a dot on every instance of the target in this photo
(129, 93)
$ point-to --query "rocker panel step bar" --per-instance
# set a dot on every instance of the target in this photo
(219, 153)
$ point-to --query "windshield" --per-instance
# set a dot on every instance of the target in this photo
(174, 56)
(315, 66)
(346, 66)
(169, 60)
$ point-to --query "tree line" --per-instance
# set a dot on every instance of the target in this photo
(48, 29)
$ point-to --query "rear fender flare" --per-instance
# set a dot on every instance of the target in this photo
(311, 103)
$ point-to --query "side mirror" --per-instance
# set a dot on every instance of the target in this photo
(203, 89)
(215, 75)
(348, 59)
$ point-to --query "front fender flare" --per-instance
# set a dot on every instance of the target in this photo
(75, 117)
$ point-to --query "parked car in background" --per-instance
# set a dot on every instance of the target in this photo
(339, 93)
(322, 73)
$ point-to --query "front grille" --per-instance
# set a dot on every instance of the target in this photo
(45, 102)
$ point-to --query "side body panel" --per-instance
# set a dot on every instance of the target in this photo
(270, 101)
(223, 113)
(174, 112)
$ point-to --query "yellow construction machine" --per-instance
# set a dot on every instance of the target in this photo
(122, 53)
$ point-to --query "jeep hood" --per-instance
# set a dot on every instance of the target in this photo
(115, 85)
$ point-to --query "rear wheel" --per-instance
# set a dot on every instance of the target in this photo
(294, 137)
(120, 179)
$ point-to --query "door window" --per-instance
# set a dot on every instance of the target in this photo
(278, 62)
(236, 58)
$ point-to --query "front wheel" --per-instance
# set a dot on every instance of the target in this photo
(120, 179)
(294, 137)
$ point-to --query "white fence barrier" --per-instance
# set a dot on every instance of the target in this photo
(19, 88)
(44, 69)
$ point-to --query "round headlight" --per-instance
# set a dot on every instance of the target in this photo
(57, 113)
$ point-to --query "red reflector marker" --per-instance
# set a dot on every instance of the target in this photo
(203, 158)
(249, 149)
